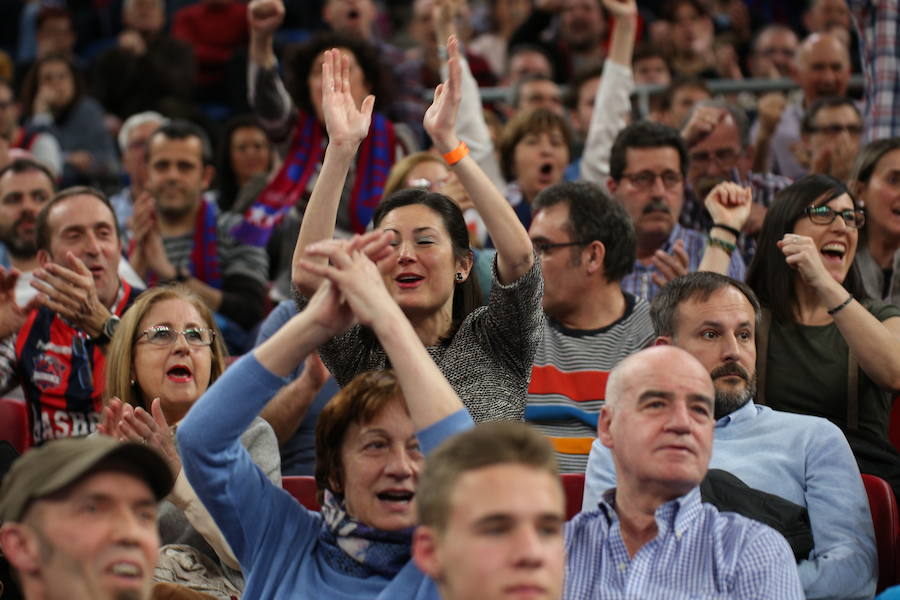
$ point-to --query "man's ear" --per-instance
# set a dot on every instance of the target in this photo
(425, 552)
(20, 547)
(611, 185)
(208, 172)
(603, 423)
(663, 340)
(43, 257)
(596, 256)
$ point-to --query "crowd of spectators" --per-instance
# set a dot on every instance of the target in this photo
(322, 237)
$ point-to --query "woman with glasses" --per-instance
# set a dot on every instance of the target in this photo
(825, 348)
(164, 355)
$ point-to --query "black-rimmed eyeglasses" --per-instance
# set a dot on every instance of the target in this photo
(544, 247)
(825, 215)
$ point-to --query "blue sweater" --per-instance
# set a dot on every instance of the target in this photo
(274, 538)
(805, 460)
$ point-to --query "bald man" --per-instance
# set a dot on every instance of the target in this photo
(822, 69)
(651, 537)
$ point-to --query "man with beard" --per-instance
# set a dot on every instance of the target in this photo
(25, 186)
(800, 458)
(647, 166)
(179, 235)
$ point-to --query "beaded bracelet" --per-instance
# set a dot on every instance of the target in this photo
(728, 247)
(840, 307)
(457, 154)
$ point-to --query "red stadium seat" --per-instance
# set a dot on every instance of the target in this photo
(894, 424)
(14, 423)
(573, 486)
(887, 527)
(303, 488)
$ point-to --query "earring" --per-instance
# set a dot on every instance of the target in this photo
(459, 277)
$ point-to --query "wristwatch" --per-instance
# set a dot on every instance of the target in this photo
(108, 329)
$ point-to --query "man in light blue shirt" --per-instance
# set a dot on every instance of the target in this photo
(803, 459)
(651, 537)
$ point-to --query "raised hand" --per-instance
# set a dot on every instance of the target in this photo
(801, 253)
(110, 418)
(265, 16)
(346, 124)
(71, 293)
(702, 123)
(729, 204)
(152, 429)
(621, 8)
(671, 265)
(440, 118)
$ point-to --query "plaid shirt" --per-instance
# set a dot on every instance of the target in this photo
(640, 281)
(877, 22)
(764, 185)
(698, 553)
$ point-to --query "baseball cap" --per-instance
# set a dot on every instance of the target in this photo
(53, 466)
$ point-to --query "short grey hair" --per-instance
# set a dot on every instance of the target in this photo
(136, 120)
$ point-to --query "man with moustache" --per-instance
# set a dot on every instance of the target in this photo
(647, 166)
(800, 458)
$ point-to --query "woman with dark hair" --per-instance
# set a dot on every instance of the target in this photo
(876, 182)
(293, 119)
(245, 160)
(371, 442)
(825, 348)
(486, 352)
(53, 97)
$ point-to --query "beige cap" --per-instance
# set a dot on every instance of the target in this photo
(53, 466)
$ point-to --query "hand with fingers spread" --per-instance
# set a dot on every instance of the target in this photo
(440, 118)
(671, 265)
(152, 429)
(12, 316)
(347, 124)
(801, 253)
(71, 292)
(729, 204)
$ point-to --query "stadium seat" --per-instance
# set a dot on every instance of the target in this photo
(303, 488)
(573, 486)
(894, 424)
(14, 423)
(887, 527)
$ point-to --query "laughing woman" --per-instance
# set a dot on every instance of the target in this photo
(486, 352)
(827, 351)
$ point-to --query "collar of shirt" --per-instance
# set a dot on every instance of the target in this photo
(675, 515)
(744, 413)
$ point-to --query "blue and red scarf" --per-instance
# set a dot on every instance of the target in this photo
(204, 262)
(373, 163)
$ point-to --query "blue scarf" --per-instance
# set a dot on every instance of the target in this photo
(358, 550)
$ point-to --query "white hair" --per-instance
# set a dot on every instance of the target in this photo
(136, 120)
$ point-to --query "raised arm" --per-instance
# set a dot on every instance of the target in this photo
(347, 127)
(428, 395)
(514, 253)
(729, 206)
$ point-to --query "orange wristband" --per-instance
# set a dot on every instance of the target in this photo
(457, 154)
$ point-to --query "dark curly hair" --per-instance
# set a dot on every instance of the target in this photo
(299, 61)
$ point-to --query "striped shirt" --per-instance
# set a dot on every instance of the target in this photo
(698, 553)
(568, 379)
(640, 281)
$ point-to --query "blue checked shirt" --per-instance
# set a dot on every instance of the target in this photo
(697, 553)
(877, 22)
(640, 281)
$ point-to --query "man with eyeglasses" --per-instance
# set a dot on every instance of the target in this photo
(648, 165)
(718, 137)
(586, 242)
(831, 133)
(56, 352)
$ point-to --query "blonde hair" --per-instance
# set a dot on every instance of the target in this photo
(120, 380)
(400, 171)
